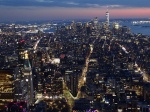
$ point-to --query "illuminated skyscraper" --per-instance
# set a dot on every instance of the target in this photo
(116, 26)
(6, 87)
(24, 79)
(20, 83)
(95, 21)
(107, 19)
(27, 72)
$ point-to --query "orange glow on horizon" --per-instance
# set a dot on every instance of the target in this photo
(131, 12)
(48, 13)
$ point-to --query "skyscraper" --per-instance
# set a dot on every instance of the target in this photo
(20, 83)
(27, 72)
(6, 87)
(107, 19)
(95, 22)
(24, 78)
(20, 51)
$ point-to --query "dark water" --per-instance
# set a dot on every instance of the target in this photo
(141, 28)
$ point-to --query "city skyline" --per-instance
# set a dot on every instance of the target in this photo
(74, 65)
(49, 10)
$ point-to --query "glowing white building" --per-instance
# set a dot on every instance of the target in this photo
(107, 19)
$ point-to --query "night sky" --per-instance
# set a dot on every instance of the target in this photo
(72, 9)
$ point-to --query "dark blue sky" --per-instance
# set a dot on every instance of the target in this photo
(61, 9)
(76, 3)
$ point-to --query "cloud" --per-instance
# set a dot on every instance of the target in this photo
(92, 5)
(104, 6)
(48, 1)
(115, 6)
(72, 3)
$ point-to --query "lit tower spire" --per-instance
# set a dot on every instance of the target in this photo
(107, 17)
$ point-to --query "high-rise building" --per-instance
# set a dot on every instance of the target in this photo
(79, 27)
(96, 23)
(88, 29)
(38, 57)
(107, 19)
(20, 83)
(125, 30)
(24, 80)
(27, 72)
(6, 87)
(20, 51)
(116, 26)
(71, 79)
(52, 82)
